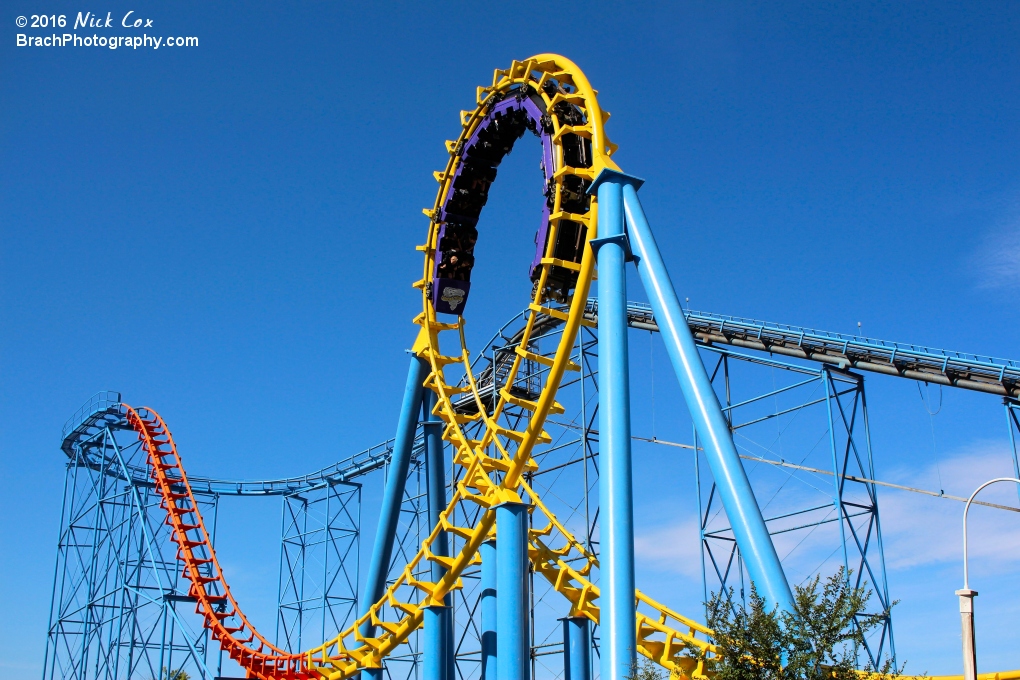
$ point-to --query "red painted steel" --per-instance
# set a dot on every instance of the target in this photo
(260, 658)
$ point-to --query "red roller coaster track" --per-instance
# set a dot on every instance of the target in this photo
(219, 611)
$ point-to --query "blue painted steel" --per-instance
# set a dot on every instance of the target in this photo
(616, 501)
(512, 643)
(435, 475)
(873, 493)
(903, 360)
(576, 648)
(936, 362)
(394, 492)
(319, 546)
(114, 559)
(701, 521)
(837, 479)
(1012, 406)
(487, 552)
(373, 674)
(735, 492)
(436, 662)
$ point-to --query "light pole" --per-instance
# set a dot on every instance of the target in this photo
(967, 595)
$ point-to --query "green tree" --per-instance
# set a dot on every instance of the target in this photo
(646, 670)
(819, 639)
(178, 674)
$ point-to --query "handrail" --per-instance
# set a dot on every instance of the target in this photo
(906, 360)
(104, 410)
(100, 401)
(912, 361)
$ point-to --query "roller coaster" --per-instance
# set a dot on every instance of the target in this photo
(476, 535)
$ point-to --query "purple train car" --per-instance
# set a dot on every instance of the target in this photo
(506, 121)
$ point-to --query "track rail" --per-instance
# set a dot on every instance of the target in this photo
(495, 458)
(916, 362)
(491, 450)
(220, 612)
(105, 410)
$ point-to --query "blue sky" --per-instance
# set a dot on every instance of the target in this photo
(226, 232)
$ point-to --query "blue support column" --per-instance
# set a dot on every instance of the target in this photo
(616, 502)
(735, 492)
(393, 494)
(487, 552)
(576, 648)
(438, 623)
(512, 644)
(1013, 423)
(436, 658)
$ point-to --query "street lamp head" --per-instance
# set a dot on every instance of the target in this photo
(966, 509)
(967, 595)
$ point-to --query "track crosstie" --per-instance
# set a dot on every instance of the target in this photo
(549, 95)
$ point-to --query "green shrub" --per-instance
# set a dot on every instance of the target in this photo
(179, 674)
(819, 639)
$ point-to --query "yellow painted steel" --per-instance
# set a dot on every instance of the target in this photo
(1000, 675)
(493, 466)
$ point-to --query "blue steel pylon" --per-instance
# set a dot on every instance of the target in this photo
(117, 585)
(617, 606)
(319, 555)
(618, 203)
(824, 398)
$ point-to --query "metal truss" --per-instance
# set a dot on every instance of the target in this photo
(508, 456)
(120, 604)
(412, 528)
(1013, 424)
(319, 555)
(119, 607)
(567, 479)
(823, 400)
(917, 362)
(117, 601)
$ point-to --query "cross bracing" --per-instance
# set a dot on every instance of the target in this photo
(163, 630)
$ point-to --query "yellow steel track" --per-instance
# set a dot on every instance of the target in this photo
(493, 465)
(495, 458)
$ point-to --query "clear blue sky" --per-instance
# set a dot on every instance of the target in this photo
(226, 232)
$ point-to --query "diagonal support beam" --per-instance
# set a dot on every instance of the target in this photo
(734, 488)
(393, 493)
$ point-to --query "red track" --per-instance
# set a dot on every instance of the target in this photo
(219, 610)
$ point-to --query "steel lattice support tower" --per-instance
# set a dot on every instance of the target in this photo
(120, 607)
(319, 553)
(568, 478)
(412, 528)
(1013, 423)
(833, 401)
(509, 454)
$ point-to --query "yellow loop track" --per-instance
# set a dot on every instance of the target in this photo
(498, 453)
(494, 462)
